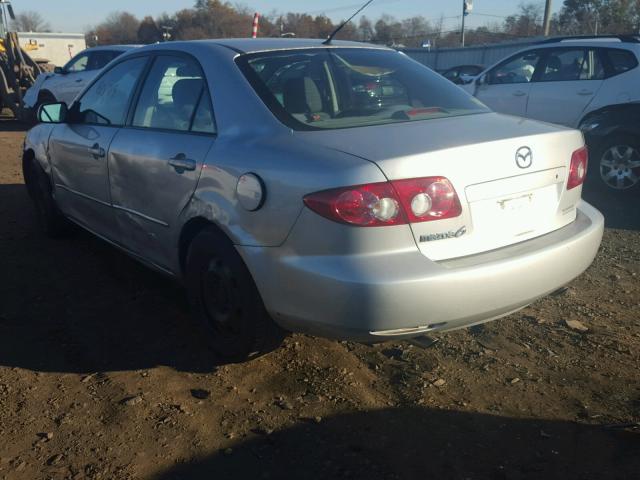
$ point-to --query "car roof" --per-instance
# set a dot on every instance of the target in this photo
(118, 48)
(594, 39)
(628, 42)
(466, 65)
(252, 45)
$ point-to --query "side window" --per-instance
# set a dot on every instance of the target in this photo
(203, 121)
(519, 69)
(173, 97)
(77, 64)
(107, 101)
(621, 60)
(100, 58)
(571, 65)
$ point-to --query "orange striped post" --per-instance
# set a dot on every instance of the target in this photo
(256, 19)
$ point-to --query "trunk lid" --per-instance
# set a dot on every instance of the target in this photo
(502, 202)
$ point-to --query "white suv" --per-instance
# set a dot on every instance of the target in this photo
(563, 79)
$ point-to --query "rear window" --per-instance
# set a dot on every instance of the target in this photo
(351, 87)
(621, 60)
(100, 58)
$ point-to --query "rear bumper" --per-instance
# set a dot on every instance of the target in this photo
(404, 294)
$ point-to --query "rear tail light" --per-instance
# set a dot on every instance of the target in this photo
(388, 203)
(425, 199)
(371, 205)
(578, 168)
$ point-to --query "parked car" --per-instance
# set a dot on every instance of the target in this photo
(463, 74)
(613, 136)
(64, 83)
(563, 80)
(292, 204)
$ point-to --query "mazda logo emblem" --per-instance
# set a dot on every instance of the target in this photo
(524, 157)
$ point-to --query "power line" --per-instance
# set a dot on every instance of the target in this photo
(347, 7)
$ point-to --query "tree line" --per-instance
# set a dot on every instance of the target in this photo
(218, 19)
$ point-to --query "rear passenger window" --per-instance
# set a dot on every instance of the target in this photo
(621, 60)
(100, 58)
(173, 97)
(571, 65)
(203, 121)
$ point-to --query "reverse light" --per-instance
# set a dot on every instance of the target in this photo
(426, 199)
(388, 203)
(578, 168)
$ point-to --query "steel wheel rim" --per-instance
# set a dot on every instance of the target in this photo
(220, 298)
(620, 167)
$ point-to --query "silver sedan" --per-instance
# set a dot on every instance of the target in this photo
(342, 190)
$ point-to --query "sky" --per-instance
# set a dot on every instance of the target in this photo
(79, 15)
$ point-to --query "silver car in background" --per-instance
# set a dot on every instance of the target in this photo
(342, 190)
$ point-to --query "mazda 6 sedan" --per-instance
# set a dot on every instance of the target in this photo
(339, 189)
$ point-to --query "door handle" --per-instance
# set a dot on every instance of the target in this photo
(519, 93)
(585, 92)
(97, 151)
(181, 163)
(79, 80)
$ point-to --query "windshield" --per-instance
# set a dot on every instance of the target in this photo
(351, 87)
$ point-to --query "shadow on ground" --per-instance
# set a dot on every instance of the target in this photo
(620, 209)
(79, 305)
(9, 124)
(418, 443)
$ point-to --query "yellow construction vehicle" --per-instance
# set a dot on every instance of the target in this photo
(18, 71)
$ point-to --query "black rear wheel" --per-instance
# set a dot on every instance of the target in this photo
(616, 164)
(226, 301)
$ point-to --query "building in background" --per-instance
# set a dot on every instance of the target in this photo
(55, 48)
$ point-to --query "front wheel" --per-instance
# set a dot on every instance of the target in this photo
(225, 300)
(616, 164)
(51, 221)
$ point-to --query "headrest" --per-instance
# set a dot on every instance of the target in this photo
(301, 95)
(186, 91)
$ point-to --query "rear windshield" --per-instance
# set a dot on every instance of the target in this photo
(351, 87)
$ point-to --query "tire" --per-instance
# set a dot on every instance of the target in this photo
(615, 165)
(225, 300)
(51, 221)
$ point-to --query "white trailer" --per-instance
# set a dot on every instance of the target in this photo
(55, 48)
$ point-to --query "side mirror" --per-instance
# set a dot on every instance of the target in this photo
(59, 70)
(53, 113)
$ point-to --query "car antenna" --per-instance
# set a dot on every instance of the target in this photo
(333, 34)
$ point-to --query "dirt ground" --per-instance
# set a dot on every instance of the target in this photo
(103, 376)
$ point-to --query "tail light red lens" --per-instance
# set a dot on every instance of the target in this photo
(371, 205)
(388, 203)
(426, 199)
(578, 168)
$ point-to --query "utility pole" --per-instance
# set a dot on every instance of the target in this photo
(467, 6)
(547, 17)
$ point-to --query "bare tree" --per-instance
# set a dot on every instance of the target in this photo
(30, 21)
(148, 32)
(118, 28)
(527, 22)
(365, 29)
